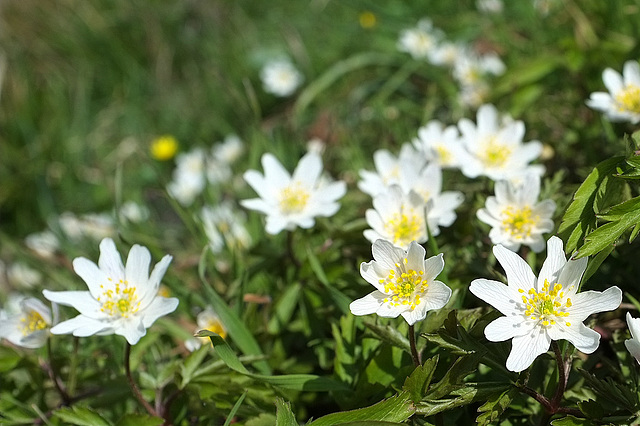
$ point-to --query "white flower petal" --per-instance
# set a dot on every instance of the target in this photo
(436, 296)
(633, 346)
(634, 326)
(93, 276)
(159, 307)
(572, 272)
(132, 330)
(82, 301)
(386, 254)
(275, 174)
(591, 302)
(580, 336)
(497, 294)
(110, 261)
(612, 81)
(433, 266)
(508, 327)
(554, 262)
(519, 273)
(368, 304)
(257, 204)
(81, 326)
(525, 349)
(137, 267)
(413, 316)
(308, 169)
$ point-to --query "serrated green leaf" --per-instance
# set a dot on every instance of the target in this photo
(495, 406)
(284, 415)
(80, 416)
(634, 233)
(139, 420)
(300, 382)
(454, 377)
(395, 409)
(418, 382)
(390, 335)
(580, 215)
(470, 392)
(571, 421)
(615, 393)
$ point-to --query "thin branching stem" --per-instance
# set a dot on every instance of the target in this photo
(414, 350)
(134, 387)
(53, 375)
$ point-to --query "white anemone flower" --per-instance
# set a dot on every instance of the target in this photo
(397, 217)
(515, 215)
(495, 146)
(622, 103)
(420, 42)
(633, 344)
(29, 326)
(539, 310)
(206, 320)
(280, 78)
(388, 169)
(188, 177)
(121, 300)
(405, 283)
(44, 244)
(291, 201)
(440, 144)
(224, 224)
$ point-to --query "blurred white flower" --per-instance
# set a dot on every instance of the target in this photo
(474, 95)
(448, 53)
(229, 150)
(133, 212)
(490, 6)
(405, 283)
(515, 215)
(206, 320)
(280, 78)
(29, 325)
(316, 145)
(91, 225)
(470, 69)
(397, 217)
(23, 276)
(388, 168)
(633, 344)
(440, 145)
(495, 148)
(539, 310)
(420, 42)
(44, 243)
(622, 103)
(224, 224)
(121, 299)
(292, 201)
(188, 177)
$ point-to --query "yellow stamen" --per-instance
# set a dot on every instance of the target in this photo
(628, 99)
(293, 199)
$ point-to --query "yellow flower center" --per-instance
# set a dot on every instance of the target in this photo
(164, 148)
(293, 199)
(404, 288)
(405, 227)
(444, 155)
(629, 99)
(367, 19)
(119, 302)
(216, 326)
(547, 306)
(519, 222)
(494, 154)
(32, 321)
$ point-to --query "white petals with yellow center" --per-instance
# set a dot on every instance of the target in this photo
(622, 101)
(405, 283)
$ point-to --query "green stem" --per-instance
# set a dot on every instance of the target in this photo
(134, 387)
(53, 373)
(290, 253)
(414, 350)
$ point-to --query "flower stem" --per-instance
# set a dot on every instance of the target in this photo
(290, 253)
(134, 387)
(563, 375)
(53, 375)
(414, 350)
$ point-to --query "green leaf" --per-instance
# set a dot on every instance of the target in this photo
(8, 359)
(390, 335)
(300, 382)
(595, 262)
(496, 405)
(572, 421)
(235, 408)
(284, 415)
(395, 409)
(339, 298)
(454, 377)
(235, 327)
(470, 392)
(418, 382)
(284, 309)
(80, 416)
(614, 393)
(580, 217)
(139, 420)
(191, 364)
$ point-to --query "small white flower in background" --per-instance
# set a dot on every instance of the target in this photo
(133, 212)
(490, 6)
(388, 169)
(539, 310)
(206, 320)
(495, 146)
(23, 276)
(474, 95)
(44, 243)
(291, 201)
(121, 299)
(26, 325)
(440, 144)
(280, 78)
(397, 217)
(224, 224)
(470, 68)
(622, 103)
(229, 150)
(420, 42)
(448, 53)
(405, 283)
(633, 344)
(188, 177)
(316, 145)
(91, 225)
(515, 215)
